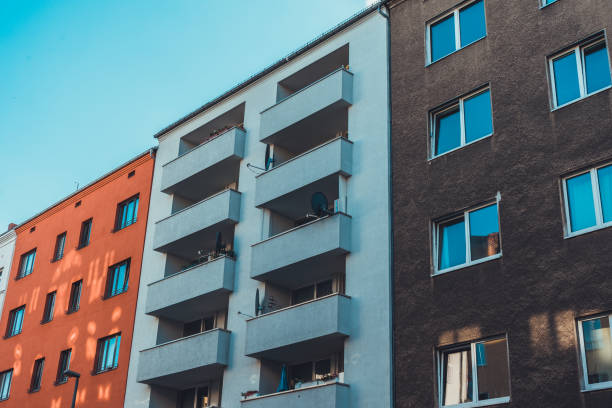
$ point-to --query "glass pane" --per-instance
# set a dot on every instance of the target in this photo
(117, 347)
(566, 79)
(478, 122)
(597, 349)
(303, 294)
(484, 232)
(605, 190)
(6, 384)
(110, 355)
(492, 369)
(301, 372)
(442, 38)
(324, 288)
(581, 206)
(547, 2)
(322, 368)
(451, 242)
(202, 400)
(472, 23)
(135, 210)
(448, 131)
(130, 213)
(457, 379)
(597, 68)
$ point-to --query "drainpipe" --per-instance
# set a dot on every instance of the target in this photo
(385, 15)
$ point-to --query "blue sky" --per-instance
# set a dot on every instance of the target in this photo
(84, 85)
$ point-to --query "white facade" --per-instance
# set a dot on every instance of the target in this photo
(7, 248)
(359, 188)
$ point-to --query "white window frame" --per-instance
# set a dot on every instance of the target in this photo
(477, 403)
(455, 12)
(599, 222)
(543, 3)
(468, 249)
(459, 102)
(578, 51)
(585, 374)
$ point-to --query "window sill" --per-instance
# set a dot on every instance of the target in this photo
(459, 147)
(598, 387)
(467, 265)
(33, 391)
(484, 403)
(588, 230)
(46, 321)
(122, 228)
(582, 98)
(428, 64)
(69, 312)
(11, 336)
(58, 383)
(78, 248)
(95, 372)
(115, 295)
(21, 277)
(56, 260)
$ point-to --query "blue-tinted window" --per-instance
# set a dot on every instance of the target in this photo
(442, 38)
(580, 202)
(15, 322)
(127, 213)
(5, 384)
(547, 2)
(26, 264)
(448, 131)
(484, 232)
(452, 244)
(478, 121)
(566, 79)
(597, 347)
(118, 276)
(597, 68)
(108, 353)
(472, 23)
(605, 191)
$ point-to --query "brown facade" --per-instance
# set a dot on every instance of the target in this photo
(543, 282)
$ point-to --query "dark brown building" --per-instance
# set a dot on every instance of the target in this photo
(502, 199)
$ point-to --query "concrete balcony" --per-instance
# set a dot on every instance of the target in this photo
(310, 108)
(301, 254)
(300, 331)
(187, 295)
(333, 395)
(205, 168)
(195, 227)
(185, 362)
(305, 174)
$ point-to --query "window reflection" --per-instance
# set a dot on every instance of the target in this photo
(472, 23)
(598, 349)
(484, 232)
(580, 202)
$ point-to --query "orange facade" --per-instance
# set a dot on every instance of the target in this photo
(105, 307)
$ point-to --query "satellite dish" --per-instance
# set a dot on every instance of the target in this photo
(219, 244)
(319, 204)
(268, 159)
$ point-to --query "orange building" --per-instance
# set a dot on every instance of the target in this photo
(71, 298)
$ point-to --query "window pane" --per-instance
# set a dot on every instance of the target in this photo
(324, 288)
(303, 294)
(597, 68)
(457, 377)
(478, 122)
(492, 369)
(472, 23)
(484, 232)
(597, 349)
(581, 206)
(566, 79)
(451, 244)
(442, 38)
(605, 191)
(448, 131)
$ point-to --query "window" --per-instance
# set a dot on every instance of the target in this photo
(117, 279)
(126, 213)
(469, 238)
(595, 350)
(579, 72)
(588, 200)
(311, 292)
(37, 373)
(547, 2)
(474, 374)
(107, 356)
(1, 270)
(75, 296)
(26, 264)
(5, 384)
(319, 370)
(198, 326)
(15, 321)
(455, 30)
(461, 122)
(60, 242)
(199, 396)
(49, 307)
(85, 233)
(63, 366)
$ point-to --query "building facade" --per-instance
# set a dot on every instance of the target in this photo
(72, 294)
(502, 195)
(7, 247)
(266, 269)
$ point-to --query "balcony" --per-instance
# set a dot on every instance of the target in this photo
(315, 170)
(195, 227)
(207, 167)
(334, 395)
(185, 362)
(313, 109)
(187, 295)
(301, 330)
(303, 253)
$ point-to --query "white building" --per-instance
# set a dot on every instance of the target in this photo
(310, 236)
(7, 247)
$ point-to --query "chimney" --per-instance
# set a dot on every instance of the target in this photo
(11, 226)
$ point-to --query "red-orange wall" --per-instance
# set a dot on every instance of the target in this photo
(96, 317)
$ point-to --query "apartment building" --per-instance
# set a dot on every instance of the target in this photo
(266, 267)
(72, 293)
(7, 247)
(502, 192)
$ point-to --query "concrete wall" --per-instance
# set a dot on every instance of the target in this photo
(543, 282)
(367, 351)
(7, 247)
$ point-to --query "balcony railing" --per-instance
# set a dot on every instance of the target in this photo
(332, 395)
